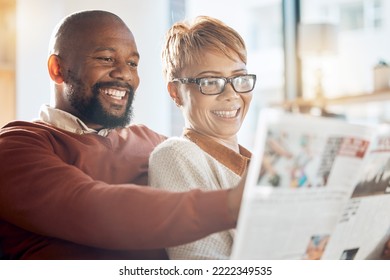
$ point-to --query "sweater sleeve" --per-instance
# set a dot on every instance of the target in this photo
(42, 194)
(179, 165)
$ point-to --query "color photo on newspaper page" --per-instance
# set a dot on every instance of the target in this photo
(301, 177)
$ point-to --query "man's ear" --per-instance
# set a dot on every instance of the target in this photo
(174, 93)
(54, 68)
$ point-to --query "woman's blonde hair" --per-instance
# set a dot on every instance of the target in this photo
(185, 42)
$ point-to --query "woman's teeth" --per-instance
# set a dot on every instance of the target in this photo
(226, 114)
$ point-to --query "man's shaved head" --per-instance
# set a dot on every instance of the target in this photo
(72, 30)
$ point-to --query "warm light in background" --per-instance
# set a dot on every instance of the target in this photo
(316, 43)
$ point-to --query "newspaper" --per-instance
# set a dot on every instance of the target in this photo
(309, 190)
(364, 224)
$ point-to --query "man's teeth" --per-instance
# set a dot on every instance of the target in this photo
(226, 114)
(114, 93)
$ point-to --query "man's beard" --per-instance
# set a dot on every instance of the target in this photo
(91, 110)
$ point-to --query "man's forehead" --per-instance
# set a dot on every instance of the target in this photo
(104, 34)
(131, 49)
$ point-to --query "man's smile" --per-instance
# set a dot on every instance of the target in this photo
(114, 93)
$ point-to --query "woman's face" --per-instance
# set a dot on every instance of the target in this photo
(219, 116)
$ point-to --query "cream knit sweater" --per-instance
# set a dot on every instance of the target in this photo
(180, 165)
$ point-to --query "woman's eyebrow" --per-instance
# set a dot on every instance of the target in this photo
(218, 72)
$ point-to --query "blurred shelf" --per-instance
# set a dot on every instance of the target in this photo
(377, 96)
(304, 104)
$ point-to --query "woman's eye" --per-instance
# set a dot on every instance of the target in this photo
(133, 64)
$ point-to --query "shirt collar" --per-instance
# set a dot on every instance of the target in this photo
(64, 120)
(237, 162)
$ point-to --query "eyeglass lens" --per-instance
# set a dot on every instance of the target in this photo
(240, 84)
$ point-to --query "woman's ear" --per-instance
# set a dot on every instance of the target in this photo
(54, 68)
(174, 93)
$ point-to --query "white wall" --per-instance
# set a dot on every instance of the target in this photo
(148, 20)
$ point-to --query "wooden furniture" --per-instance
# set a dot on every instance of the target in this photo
(305, 105)
(7, 61)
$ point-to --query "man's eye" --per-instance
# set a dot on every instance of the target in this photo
(105, 59)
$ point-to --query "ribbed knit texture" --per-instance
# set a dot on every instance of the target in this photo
(180, 165)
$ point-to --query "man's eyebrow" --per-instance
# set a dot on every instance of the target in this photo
(100, 49)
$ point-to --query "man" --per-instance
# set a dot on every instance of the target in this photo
(72, 185)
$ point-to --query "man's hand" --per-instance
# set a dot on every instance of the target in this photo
(235, 197)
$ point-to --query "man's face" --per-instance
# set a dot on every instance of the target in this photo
(101, 75)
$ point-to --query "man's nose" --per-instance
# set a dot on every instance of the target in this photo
(121, 71)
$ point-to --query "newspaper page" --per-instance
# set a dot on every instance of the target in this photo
(364, 226)
(300, 178)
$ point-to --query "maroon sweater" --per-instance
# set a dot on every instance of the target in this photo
(71, 196)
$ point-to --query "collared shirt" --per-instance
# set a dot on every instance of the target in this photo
(66, 121)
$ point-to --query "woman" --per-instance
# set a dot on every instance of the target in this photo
(204, 64)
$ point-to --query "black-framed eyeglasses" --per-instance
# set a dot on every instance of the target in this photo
(216, 85)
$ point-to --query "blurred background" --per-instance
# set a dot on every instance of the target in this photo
(323, 57)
